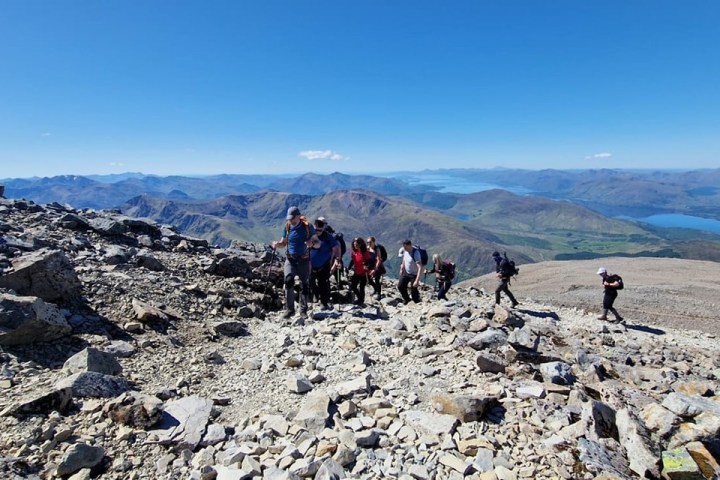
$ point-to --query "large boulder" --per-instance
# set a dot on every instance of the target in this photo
(25, 320)
(47, 274)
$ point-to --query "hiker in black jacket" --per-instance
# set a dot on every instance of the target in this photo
(612, 284)
(504, 276)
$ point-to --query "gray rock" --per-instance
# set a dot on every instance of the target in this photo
(57, 399)
(687, 406)
(183, 422)
(330, 470)
(490, 363)
(25, 320)
(557, 372)
(640, 451)
(435, 423)
(489, 338)
(466, 408)
(47, 274)
(297, 383)
(93, 360)
(79, 456)
(93, 384)
(360, 385)
(120, 349)
(230, 328)
(115, 255)
(314, 413)
(146, 260)
(107, 226)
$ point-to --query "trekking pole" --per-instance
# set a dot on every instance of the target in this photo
(267, 275)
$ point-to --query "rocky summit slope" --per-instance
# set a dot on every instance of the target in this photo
(131, 352)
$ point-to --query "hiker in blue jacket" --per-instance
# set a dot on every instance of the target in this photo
(299, 236)
(323, 257)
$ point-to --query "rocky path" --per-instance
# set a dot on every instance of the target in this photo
(169, 360)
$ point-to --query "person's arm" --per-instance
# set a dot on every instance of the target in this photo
(420, 270)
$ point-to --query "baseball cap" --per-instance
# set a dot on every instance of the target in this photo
(292, 213)
(601, 270)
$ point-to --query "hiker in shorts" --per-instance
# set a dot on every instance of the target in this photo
(298, 235)
(442, 276)
(503, 280)
(379, 270)
(611, 284)
(323, 256)
(411, 269)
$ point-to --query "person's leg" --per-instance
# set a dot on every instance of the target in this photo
(377, 285)
(354, 281)
(303, 273)
(403, 287)
(361, 289)
(415, 293)
(289, 272)
(323, 279)
(500, 287)
(612, 295)
(442, 289)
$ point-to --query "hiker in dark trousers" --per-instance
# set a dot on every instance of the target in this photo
(442, 277)
(503, 280)
(298, 235)
(323, 256)
(611, 283)
(411, 269)
(361, 264)
(379, 270)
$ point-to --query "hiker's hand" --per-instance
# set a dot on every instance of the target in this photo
(416, 283)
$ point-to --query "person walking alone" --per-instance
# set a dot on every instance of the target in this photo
(504, 275)
(611, 284)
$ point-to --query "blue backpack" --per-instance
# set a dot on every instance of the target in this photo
(423, 254)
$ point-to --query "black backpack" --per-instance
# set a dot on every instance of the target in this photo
(341, 240)
(383, 253)
(423, 255)
(508, 268)
(447, 270)
(617, 278)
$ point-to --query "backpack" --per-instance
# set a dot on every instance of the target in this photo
(447, 270)
(423, 254)
(383, 253)
(617, 278)
(341, 240)
(305, 222)
(370, 262)
(508, 268)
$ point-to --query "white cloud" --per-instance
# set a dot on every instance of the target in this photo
(599, 155)
(45, 134)
(322, 155)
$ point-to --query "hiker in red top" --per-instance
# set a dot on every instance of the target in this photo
(362, 265)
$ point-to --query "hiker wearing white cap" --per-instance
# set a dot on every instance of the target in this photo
(612, 284)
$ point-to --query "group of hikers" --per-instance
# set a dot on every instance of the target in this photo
(315, 253)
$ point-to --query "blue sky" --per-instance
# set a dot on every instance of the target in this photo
(267, 86)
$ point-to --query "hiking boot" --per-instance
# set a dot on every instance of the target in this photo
(377, 296)
(602, 317)
(327, 306)
(619, 320)
(304, 315)
(515, 304)
(288, 314)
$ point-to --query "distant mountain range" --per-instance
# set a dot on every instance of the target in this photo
(568, 216)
